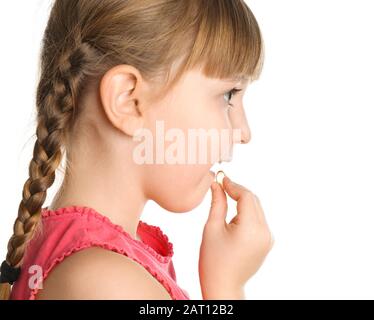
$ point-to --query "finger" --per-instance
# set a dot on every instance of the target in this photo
(218, 209)
(272, 240)
(260, 211)
(262, 217)
(246, 206)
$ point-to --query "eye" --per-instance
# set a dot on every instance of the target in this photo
(230, 95)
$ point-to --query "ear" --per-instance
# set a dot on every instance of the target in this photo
(120, 97)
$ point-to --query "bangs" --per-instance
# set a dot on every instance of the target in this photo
(228, 44)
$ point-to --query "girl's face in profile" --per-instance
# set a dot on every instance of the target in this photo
(195, 110)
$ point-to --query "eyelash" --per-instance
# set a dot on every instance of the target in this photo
(232, 92)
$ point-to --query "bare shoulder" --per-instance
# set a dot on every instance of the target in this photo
(97, 273)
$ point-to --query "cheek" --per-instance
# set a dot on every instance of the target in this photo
(181, 187)
(178, 188)
(203, 111)
(192, 110)
(177, 178)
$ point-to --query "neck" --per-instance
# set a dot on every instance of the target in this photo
(100, 187)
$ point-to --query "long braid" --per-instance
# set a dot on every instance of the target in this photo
(57, 98)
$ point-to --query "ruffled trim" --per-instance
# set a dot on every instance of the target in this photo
(153, 230)
(157, 233)
(106, 246)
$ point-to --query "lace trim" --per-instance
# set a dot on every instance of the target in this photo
(153, 230)
(106, 246)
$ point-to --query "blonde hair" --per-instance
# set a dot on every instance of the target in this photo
(86, 38)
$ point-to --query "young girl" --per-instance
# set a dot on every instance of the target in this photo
(110, 68)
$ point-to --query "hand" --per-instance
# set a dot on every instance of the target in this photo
(230, 254)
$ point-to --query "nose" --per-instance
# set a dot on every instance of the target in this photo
(242, 132)
(245, 134)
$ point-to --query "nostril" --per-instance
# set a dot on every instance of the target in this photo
(246, 140)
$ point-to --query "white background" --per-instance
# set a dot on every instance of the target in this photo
(310, 159)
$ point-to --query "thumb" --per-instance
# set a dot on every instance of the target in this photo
(218, 208)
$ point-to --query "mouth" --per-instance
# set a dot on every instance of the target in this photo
(215, 168)
(212, 174)
(218, 165)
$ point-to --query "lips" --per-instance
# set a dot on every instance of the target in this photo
(216, 167)
(212, 174)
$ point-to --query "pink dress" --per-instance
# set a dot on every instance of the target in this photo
(70, 229)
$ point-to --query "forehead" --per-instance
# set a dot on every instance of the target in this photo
(197, 77)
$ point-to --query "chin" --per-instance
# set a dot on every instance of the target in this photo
(182, 206)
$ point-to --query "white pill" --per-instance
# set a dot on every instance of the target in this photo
(219, 177)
